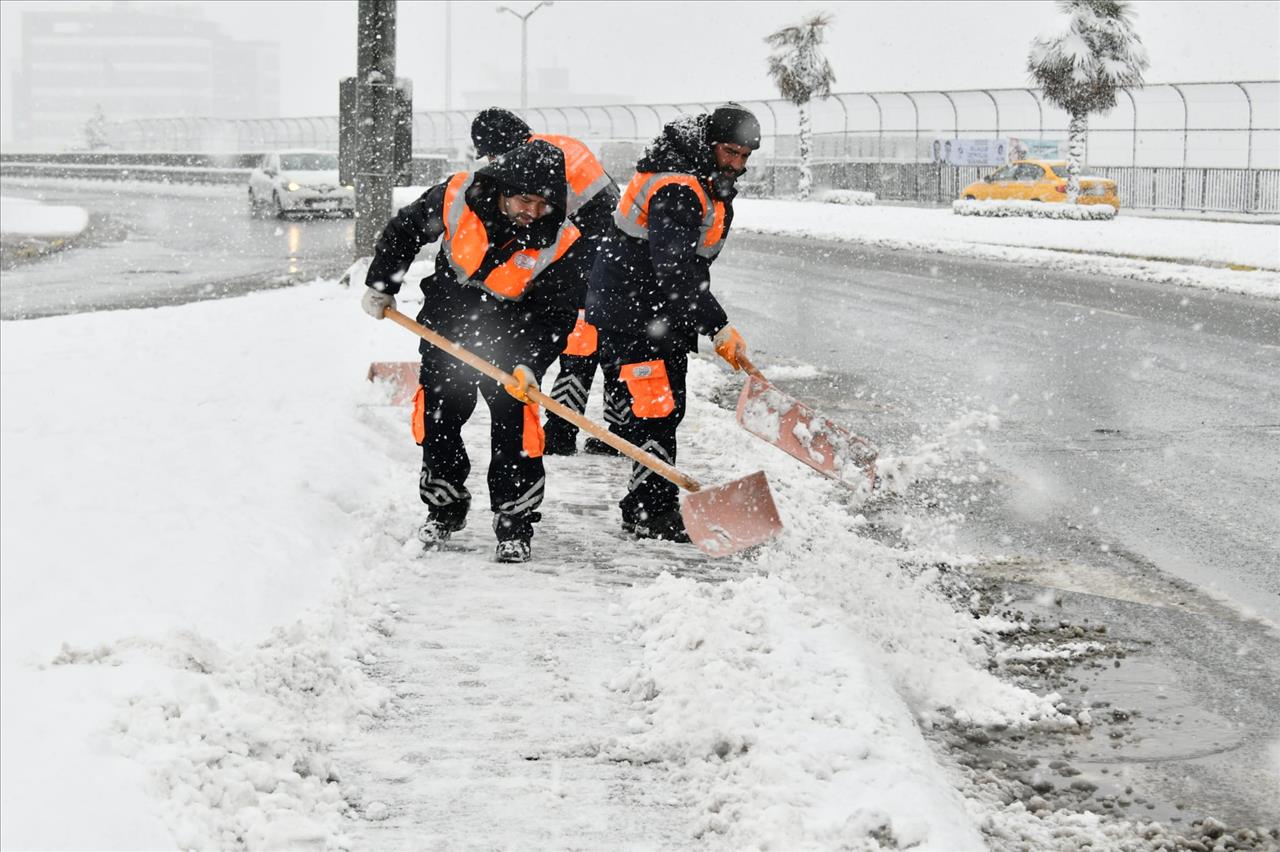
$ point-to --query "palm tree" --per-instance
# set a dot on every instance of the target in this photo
(1081, 69)
(800, 72)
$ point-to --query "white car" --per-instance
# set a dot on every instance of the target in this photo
(299, 182)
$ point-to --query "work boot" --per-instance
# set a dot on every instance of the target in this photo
(596, 447)
(441, 524)
(668, 526)
(513, 550)
(559, 442)
(514, 533)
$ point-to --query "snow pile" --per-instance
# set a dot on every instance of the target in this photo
(25, 217)
(190, 493)
(1033, 210)
(847, 196)
(771, 711)
(239, 742)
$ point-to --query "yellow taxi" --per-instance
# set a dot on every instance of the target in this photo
(1039, 180)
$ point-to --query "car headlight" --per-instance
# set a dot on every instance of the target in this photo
(293, 186)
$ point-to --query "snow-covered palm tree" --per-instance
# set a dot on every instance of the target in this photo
(1081, 69)
(801, 72)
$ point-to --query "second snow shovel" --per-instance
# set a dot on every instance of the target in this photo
(402, 376)
(799, 431)
(721, 520)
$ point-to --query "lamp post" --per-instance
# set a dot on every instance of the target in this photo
(524, 46)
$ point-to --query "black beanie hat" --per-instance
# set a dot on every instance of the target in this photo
(496, 131)
(733, 123)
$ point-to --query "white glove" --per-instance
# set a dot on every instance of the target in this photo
(524, 381)
(375, 303)
(730, 346)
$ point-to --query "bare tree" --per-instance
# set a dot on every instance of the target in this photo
(801, 72)
(1081, 69)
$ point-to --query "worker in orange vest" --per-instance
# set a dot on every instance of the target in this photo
(592, 196)
(507, 285)
(650, 292)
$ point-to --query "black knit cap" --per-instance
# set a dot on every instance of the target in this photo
(496, 131)
(534, 169)
(734, 123)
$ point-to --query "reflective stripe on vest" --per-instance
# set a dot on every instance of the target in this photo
(583, 172)
(465, 243)
(632, 215)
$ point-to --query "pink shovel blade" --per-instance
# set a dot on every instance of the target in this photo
(725, 519)
(400, 376)
(798, 430)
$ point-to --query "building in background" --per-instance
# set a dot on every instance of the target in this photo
(132, 61)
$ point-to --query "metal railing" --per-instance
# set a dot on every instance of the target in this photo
(1201, 145)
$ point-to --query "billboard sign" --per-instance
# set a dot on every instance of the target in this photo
(1036, 149)
(995, 151)
(971, 152)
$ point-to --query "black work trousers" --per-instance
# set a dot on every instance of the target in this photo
(516, 478)
(648, 493)
(571, 389)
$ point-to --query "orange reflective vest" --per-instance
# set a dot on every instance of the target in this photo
(583, 172)
(632, 215)
(465, 243)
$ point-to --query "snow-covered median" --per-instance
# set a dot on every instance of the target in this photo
(848, 196)
(25, 217)
(1033, 210)
(1185, 252)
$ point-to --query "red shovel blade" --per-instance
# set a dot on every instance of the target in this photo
(798, 430)
(725, 519)
(401, 376)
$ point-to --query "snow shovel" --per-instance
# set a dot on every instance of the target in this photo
(721, 520)
(402, 376)
(798, 430)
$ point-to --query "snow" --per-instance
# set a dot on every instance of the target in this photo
(29, 218)
(1032, 209)
(1183, 252)
(218, 630)
(847, 196)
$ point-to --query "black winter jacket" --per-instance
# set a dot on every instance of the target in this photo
(532, 328)
(659, 288)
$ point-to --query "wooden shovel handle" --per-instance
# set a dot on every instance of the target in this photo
(750, 368)
(623, 446)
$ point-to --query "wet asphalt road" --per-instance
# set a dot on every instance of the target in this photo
(1140, 422)
(1137, 466)
(150, 245)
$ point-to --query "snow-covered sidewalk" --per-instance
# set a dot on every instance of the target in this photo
(218, 630)
(1177, 251)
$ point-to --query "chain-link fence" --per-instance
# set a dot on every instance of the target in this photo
(1204, 146)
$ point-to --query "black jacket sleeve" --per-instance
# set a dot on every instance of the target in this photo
(595, 218)
(416, 225)
(675, 225)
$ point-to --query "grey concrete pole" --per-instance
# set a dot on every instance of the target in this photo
(376, 78)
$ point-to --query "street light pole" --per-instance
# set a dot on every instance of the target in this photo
(524, 46)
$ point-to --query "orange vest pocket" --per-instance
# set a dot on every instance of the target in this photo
(419, 421)
(651, 394)
(583, 340)
(533, 438)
